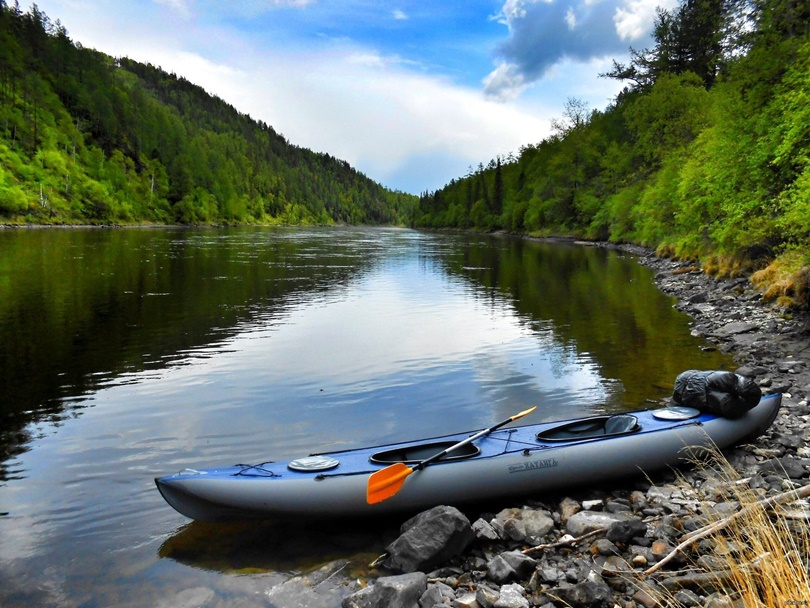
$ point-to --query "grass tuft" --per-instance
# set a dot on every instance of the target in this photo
(764, 552)
(785, 281)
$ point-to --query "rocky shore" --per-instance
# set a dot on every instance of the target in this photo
(609, 547)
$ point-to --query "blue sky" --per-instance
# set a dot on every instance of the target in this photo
(410, 92)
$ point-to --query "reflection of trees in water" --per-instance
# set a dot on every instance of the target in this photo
(81, 307)
(595, 303)
(277, 547)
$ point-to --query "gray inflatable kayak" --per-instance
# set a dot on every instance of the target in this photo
(525, 460)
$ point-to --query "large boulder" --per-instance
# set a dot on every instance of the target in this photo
(428, 540)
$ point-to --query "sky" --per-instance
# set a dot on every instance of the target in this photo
(410, 92)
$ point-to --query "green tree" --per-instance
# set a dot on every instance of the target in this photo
(699, 37)
(137, 141)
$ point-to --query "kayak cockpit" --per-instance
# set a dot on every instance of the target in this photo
(413, 454)
(591, 428)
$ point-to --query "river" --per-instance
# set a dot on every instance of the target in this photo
(131, 353)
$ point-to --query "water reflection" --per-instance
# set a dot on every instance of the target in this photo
(132, 353)
(80, 309)
(239, 548)
(596, 303)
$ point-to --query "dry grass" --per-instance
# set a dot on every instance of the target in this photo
(786, 281)
(724, 266)
(665, 250)
(766, 552)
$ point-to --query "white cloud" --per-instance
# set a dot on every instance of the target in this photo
(571, 18)
(545, 33)
(516, 9)
(504, 83)
(387, 118)
(400, 15)
(368, 59)
(635, 18)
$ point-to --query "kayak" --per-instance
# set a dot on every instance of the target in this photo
(516, 461)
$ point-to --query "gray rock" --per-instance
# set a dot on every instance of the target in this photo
(734, 328)
(467, 600)
(588, 594)
(688, 599)
(429, 539)
(715, 490)
(626, 530)
(605, 547)
(511, 597)
(645, 599)
(486, 597)
(661, 548)
(721, 600)
(752, 371)
(484, 530)
(700, 582)
(638, 500)
(434, 595)
(510, 565)
(401, 591)
(795, 468)
(612, 565)
(585, 522)
(568, 506)
(669, 528)
(551, 575)
(525, 525)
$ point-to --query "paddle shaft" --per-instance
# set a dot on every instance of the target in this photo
(460, 444)
(386, 482)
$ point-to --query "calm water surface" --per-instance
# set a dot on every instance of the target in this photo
(126, 354)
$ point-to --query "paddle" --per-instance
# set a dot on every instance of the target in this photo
(387, 482)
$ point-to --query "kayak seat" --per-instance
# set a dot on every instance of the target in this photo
(621, 424)
(414, 454)
(591, 428)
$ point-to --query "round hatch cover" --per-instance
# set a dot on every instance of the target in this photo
(314, 463)
(676, 412)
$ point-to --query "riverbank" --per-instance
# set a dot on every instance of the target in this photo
(604, 547)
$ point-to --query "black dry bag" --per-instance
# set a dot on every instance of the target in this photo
(716, 392)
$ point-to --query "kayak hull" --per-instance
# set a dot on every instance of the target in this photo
(520, 461)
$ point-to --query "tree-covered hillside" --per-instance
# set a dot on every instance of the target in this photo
(705, 154)
(88, 138)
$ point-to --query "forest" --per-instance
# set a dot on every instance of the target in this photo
(89, 139)
(705, 154)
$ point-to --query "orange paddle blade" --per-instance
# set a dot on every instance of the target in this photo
(387, 482)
